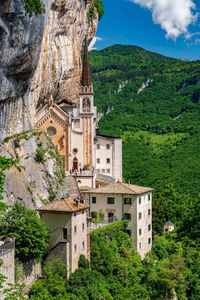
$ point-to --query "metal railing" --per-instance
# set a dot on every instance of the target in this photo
(94, 225)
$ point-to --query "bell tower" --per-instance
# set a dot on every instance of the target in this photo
(87, 110)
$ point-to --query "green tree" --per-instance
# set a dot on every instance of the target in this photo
(83, 262)
(53, 285)
(30, 232)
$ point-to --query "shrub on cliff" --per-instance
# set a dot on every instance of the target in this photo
(30, 232)
(34, 7)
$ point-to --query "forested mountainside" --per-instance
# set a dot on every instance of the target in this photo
(153, 102)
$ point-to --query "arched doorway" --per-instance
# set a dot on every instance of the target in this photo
(75, 164)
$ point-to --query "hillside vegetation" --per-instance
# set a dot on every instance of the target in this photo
(153, 102)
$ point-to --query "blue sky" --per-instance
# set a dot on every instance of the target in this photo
(133, 22)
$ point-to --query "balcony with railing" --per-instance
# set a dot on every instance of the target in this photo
(94, 225)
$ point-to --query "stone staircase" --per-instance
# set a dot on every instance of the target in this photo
(73, 187)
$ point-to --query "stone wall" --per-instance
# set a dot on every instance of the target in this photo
(7, 255)
(27, 273)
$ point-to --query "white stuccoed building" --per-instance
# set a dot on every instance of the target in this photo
(125, 201)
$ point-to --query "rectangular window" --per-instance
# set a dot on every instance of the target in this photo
(83, 245)
(140, 231)
(140, 200)
(127, 216)
(149, 227)
(98, 160)
(149, 241)
(149, 212)
(74, 214)
(83, 226)
(108, 170)
(98, 146)
(98, 170)
(94, 200)
(107, 146)
(140, 215)
(110, 200)
(65, 233)
(128, 231)
(75, 248)
(149, 197)
(75, 229)
(103, 170)
(140, 245)
(108, 160)
(127, 201)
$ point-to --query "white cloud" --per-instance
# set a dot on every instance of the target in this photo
(174, 16)
(93, 41)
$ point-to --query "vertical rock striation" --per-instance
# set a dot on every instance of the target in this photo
(40, 57)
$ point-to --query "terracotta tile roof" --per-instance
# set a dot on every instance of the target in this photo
(121, 188)
(63, 205)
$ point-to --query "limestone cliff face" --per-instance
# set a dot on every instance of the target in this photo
(37, 177)
(40, 57)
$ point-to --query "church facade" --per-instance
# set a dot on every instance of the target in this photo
(73, 130)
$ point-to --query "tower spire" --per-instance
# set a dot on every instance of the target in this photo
(86, 74)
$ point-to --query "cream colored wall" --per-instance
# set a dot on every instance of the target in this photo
(119, 208)
(85, 181)
(117, 159)
(76, 142)
(143, 224)
(101, 203)
(56, 223)
(103, 154)
(78, 238)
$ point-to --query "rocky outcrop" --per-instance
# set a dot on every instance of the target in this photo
(37, 176)
(40, 57)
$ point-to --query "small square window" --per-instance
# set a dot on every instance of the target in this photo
(127, 216)
(98, 170)
(110, 200)
(107, 146)
(75, 248)
(108, 170)
(98, 160)
(83, 245)
(149, 212)
(140, 231)
(149, 197)
(149, 227)
(149, 241)
(140, 216)
(140, 200)
(103, 170)
(94, 200)
(140, 245)
(65, 233)
(75, 229)
(98, 146)
(127, 201)
(108, 160)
